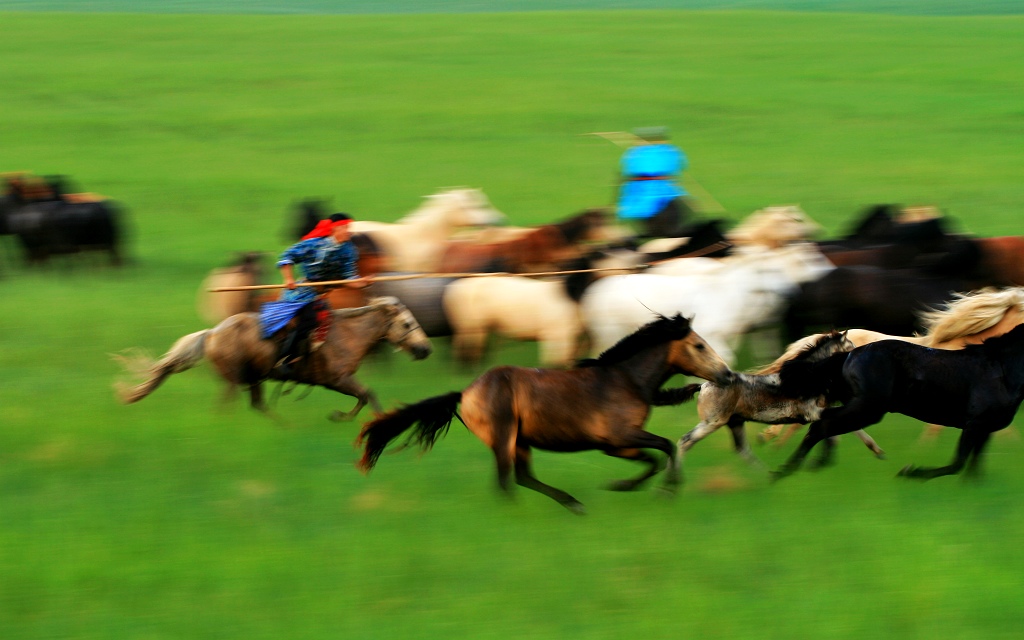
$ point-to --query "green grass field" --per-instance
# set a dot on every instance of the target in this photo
(176, 518)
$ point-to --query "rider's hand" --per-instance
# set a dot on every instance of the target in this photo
(290, 285)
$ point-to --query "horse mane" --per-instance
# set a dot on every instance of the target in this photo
(662, 330)
(802, 349)
(1012, 337)
(971, 313)
(578, 225)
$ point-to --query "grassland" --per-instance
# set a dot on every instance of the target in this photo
(174, 518)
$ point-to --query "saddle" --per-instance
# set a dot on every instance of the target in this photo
(301, 336)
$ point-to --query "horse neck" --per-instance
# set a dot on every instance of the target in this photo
(648, 369)
(433, 220)
(370, 328)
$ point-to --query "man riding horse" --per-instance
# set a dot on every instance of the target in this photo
(650, 195)
(325, 253)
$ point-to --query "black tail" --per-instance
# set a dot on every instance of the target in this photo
(672, 397)
(433, 415)
(807, 379)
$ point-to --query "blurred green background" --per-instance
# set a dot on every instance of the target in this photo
(180, 518)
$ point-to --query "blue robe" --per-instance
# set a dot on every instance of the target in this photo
(639, 199)
(319, 260)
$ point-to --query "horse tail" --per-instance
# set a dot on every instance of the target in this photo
(809, 379)
(183, 355)
(431, 417)
(675, 396)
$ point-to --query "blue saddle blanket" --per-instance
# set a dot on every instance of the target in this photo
(275, 315)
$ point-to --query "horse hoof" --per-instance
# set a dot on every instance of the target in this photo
(576, 507)
(881, 455)
(666, 491)
(775, 476)
(339, 416)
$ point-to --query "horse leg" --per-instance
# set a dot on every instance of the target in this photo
(257, 402)
(739, 442)
(525, 478)
(703, 429)
(973, 469)
(870, 443)
(788, 431)
(349, 386)
(856, 414)
(967, 443)
(631, 484)
(633, 438)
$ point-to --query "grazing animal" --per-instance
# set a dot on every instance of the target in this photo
(728, 297)
(755, 396)
(541, 249)
(601, 404)
(977, 389)
(416, 242)
(242, 357)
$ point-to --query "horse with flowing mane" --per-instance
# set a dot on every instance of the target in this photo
(417, 241)
(969, 318)
(756, 396)
(977, 389)
(600, 404)
(241, 356)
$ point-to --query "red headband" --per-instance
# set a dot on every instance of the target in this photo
(324, 228)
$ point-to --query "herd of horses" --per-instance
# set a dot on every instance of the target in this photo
(934, 325)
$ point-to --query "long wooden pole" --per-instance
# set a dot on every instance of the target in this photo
(419, 276)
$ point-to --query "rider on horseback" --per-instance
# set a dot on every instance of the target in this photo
(325, 253)
(650, 195)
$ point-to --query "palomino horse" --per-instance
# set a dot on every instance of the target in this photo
(521, 308)
(977, 389)
(774, 227)
(968, 319)
(540, 249)
(416, 242)
(755, 396)
(728, 297)
(242, 357)
(601, 404)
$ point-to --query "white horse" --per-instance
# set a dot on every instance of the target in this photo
(415, 242)
(727, 299)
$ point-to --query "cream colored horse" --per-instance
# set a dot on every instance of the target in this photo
(415, 242)
(774, 227)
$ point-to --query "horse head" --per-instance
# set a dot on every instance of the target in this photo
(403, 330)
(465, 207)
(691, 355)
(775, 227)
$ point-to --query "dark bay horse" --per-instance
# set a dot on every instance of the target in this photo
(242, 357)
(536, 249)
(757, 397)
(600, 404)
(977, 389)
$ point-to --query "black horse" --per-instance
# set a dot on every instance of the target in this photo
(977, 390)
(47, 221)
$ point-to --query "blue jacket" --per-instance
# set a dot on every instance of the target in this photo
(656, 166)
(319, 259)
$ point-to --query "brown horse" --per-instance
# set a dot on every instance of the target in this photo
(538, 249)
(242, 357)
(600, 404)
(1003, 257)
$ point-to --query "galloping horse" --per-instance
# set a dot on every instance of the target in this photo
(415, 242)
(729, 296)
(774, 227)
(601, 404)
(755, 396)
(969, 318)
(977, 389)
(539, 249)
(242, 357)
